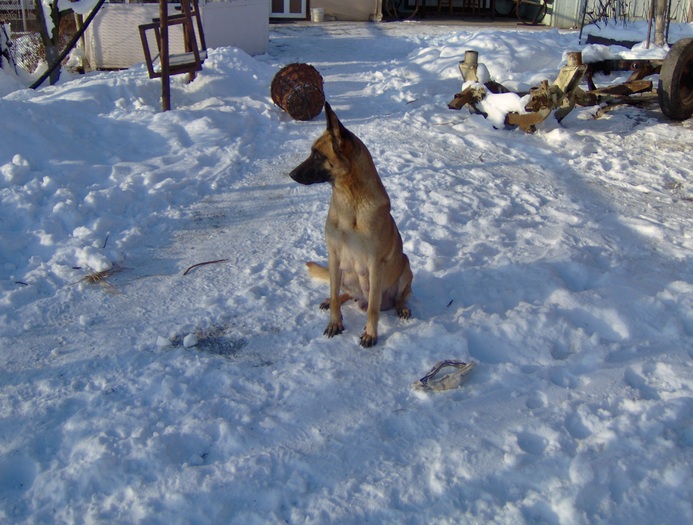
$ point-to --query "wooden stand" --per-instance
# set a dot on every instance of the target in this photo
(163, 65)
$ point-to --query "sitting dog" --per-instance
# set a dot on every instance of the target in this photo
(364, 247)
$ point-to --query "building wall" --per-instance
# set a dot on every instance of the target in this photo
(113, 38)
(563, 14)
(359, 10)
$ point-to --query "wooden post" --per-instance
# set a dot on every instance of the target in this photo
(165, 77)
(649, 23)
(188, 32)
(660, 22)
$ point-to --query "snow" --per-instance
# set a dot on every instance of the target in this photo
(81, 7)
(158, 392)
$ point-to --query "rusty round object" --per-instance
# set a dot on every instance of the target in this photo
(297, 89)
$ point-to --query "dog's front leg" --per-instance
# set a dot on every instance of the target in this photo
(369, 337)
(335, 326)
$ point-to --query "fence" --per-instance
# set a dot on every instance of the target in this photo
(19, 14)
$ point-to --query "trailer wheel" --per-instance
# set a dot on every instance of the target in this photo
(676, 81)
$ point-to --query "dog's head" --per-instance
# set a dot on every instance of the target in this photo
(330, 154)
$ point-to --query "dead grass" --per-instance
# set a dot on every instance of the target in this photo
(101, 278)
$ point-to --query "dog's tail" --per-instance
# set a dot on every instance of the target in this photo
(318, 271)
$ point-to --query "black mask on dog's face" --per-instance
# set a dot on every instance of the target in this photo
(312, 170)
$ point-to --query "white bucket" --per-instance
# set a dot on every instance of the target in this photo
(317, 14)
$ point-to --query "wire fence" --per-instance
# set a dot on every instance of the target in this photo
(19, 14)
(25, 47)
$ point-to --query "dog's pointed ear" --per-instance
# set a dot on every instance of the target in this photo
(335, 127)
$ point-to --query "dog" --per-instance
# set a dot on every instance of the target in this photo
(364, 246)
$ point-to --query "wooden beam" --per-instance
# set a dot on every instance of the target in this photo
(165, 77)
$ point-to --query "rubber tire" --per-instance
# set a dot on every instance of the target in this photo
(675, 90)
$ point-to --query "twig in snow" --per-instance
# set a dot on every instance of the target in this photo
(186, 272)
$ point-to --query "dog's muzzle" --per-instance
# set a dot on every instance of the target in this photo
(310, 172)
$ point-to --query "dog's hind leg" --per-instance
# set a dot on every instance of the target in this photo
(320, 272)
(325, 305)
(404, 291)
(403, 311)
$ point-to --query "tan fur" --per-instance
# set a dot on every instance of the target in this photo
(365, 257)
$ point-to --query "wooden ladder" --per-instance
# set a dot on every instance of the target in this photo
(164, 64)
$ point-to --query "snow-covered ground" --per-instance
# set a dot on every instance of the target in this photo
(561, 263)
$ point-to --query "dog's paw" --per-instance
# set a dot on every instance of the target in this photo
(325, 305)
(333, 329)
(368, 340)
(403, 312)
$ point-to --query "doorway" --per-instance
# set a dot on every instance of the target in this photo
(288, 9)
